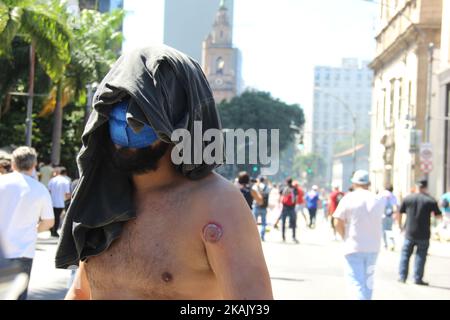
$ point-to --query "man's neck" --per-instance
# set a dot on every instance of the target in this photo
(27, 173)
(163, 176)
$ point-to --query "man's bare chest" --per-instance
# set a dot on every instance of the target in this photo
(159, 250)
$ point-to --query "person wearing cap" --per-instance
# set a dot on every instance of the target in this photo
(418, 207)
(312, 201)
(358, 221)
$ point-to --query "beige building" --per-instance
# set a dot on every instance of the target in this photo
(443, 114)
(219, 59)
(400, 95)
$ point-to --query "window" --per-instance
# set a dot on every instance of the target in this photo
(391, 102)
(400, 98)
(220, 64)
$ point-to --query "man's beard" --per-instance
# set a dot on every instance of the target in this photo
(138, 161)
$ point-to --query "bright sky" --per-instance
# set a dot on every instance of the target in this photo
(281, 40)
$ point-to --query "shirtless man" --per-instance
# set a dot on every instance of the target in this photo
(191, 239)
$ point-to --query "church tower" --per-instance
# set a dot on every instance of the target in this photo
(219, 58)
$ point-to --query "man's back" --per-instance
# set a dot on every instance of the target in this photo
(362, 212)
(22, 201)
(418, 207)
(59, 186)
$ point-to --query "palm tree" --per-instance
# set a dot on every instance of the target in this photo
(44, 25)
(94, 48)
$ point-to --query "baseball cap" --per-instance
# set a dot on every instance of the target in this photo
(315, 188)
(361, 177)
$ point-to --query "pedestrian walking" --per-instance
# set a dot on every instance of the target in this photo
(59, 187)
(418, 208)
(358, 221)
(300, 201)
(288, 199)
(25, 210)
(334, 198)
(312, 202)
(391, 208)
(261, 191)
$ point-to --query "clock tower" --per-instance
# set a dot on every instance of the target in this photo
(219, 58)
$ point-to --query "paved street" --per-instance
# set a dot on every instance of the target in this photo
(309, 270)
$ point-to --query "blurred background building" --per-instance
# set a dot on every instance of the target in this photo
(220, 61)
(403, 71)
(339, 94)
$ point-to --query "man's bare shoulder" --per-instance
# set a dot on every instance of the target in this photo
(215, 186)
(215, 198)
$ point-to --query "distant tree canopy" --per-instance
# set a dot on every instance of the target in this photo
(259, 110)
(94, 44)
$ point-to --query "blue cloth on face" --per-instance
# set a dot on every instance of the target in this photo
(124, 136)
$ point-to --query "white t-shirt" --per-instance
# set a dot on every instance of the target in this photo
(59, 186)
(362, 212)
(23, 200)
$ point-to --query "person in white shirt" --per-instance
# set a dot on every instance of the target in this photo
(359, 222)
(59, 187)
(25, 210)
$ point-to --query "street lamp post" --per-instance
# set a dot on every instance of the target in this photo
(353, 115)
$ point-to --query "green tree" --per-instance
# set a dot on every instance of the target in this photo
(259, 110)
(95, 45)
(310, 166)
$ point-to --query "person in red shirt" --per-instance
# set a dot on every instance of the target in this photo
(300, 201)
(335, 196)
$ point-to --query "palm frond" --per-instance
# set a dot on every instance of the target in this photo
(49, 32)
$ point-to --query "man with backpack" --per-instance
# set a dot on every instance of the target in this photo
(335, 197)
(391, 207)
(288, 200)
(261, 191)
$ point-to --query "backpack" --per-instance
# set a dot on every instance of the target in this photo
(288, 197)
(247, 195)
(265, 196)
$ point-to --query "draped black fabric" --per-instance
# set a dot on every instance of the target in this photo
(168, 91)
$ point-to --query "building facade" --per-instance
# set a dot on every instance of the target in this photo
(444, 90)
(187, 23)
(339, 93)
(401, 95)
(220, 60)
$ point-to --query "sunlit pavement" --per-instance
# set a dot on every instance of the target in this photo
(309, 270)
(313, 269)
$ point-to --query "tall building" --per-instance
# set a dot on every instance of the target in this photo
(444, 92)
(339, 92)
(187, 23)
(401, 95)
(219, 58)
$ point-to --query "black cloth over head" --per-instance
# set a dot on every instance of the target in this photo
(168, 91)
